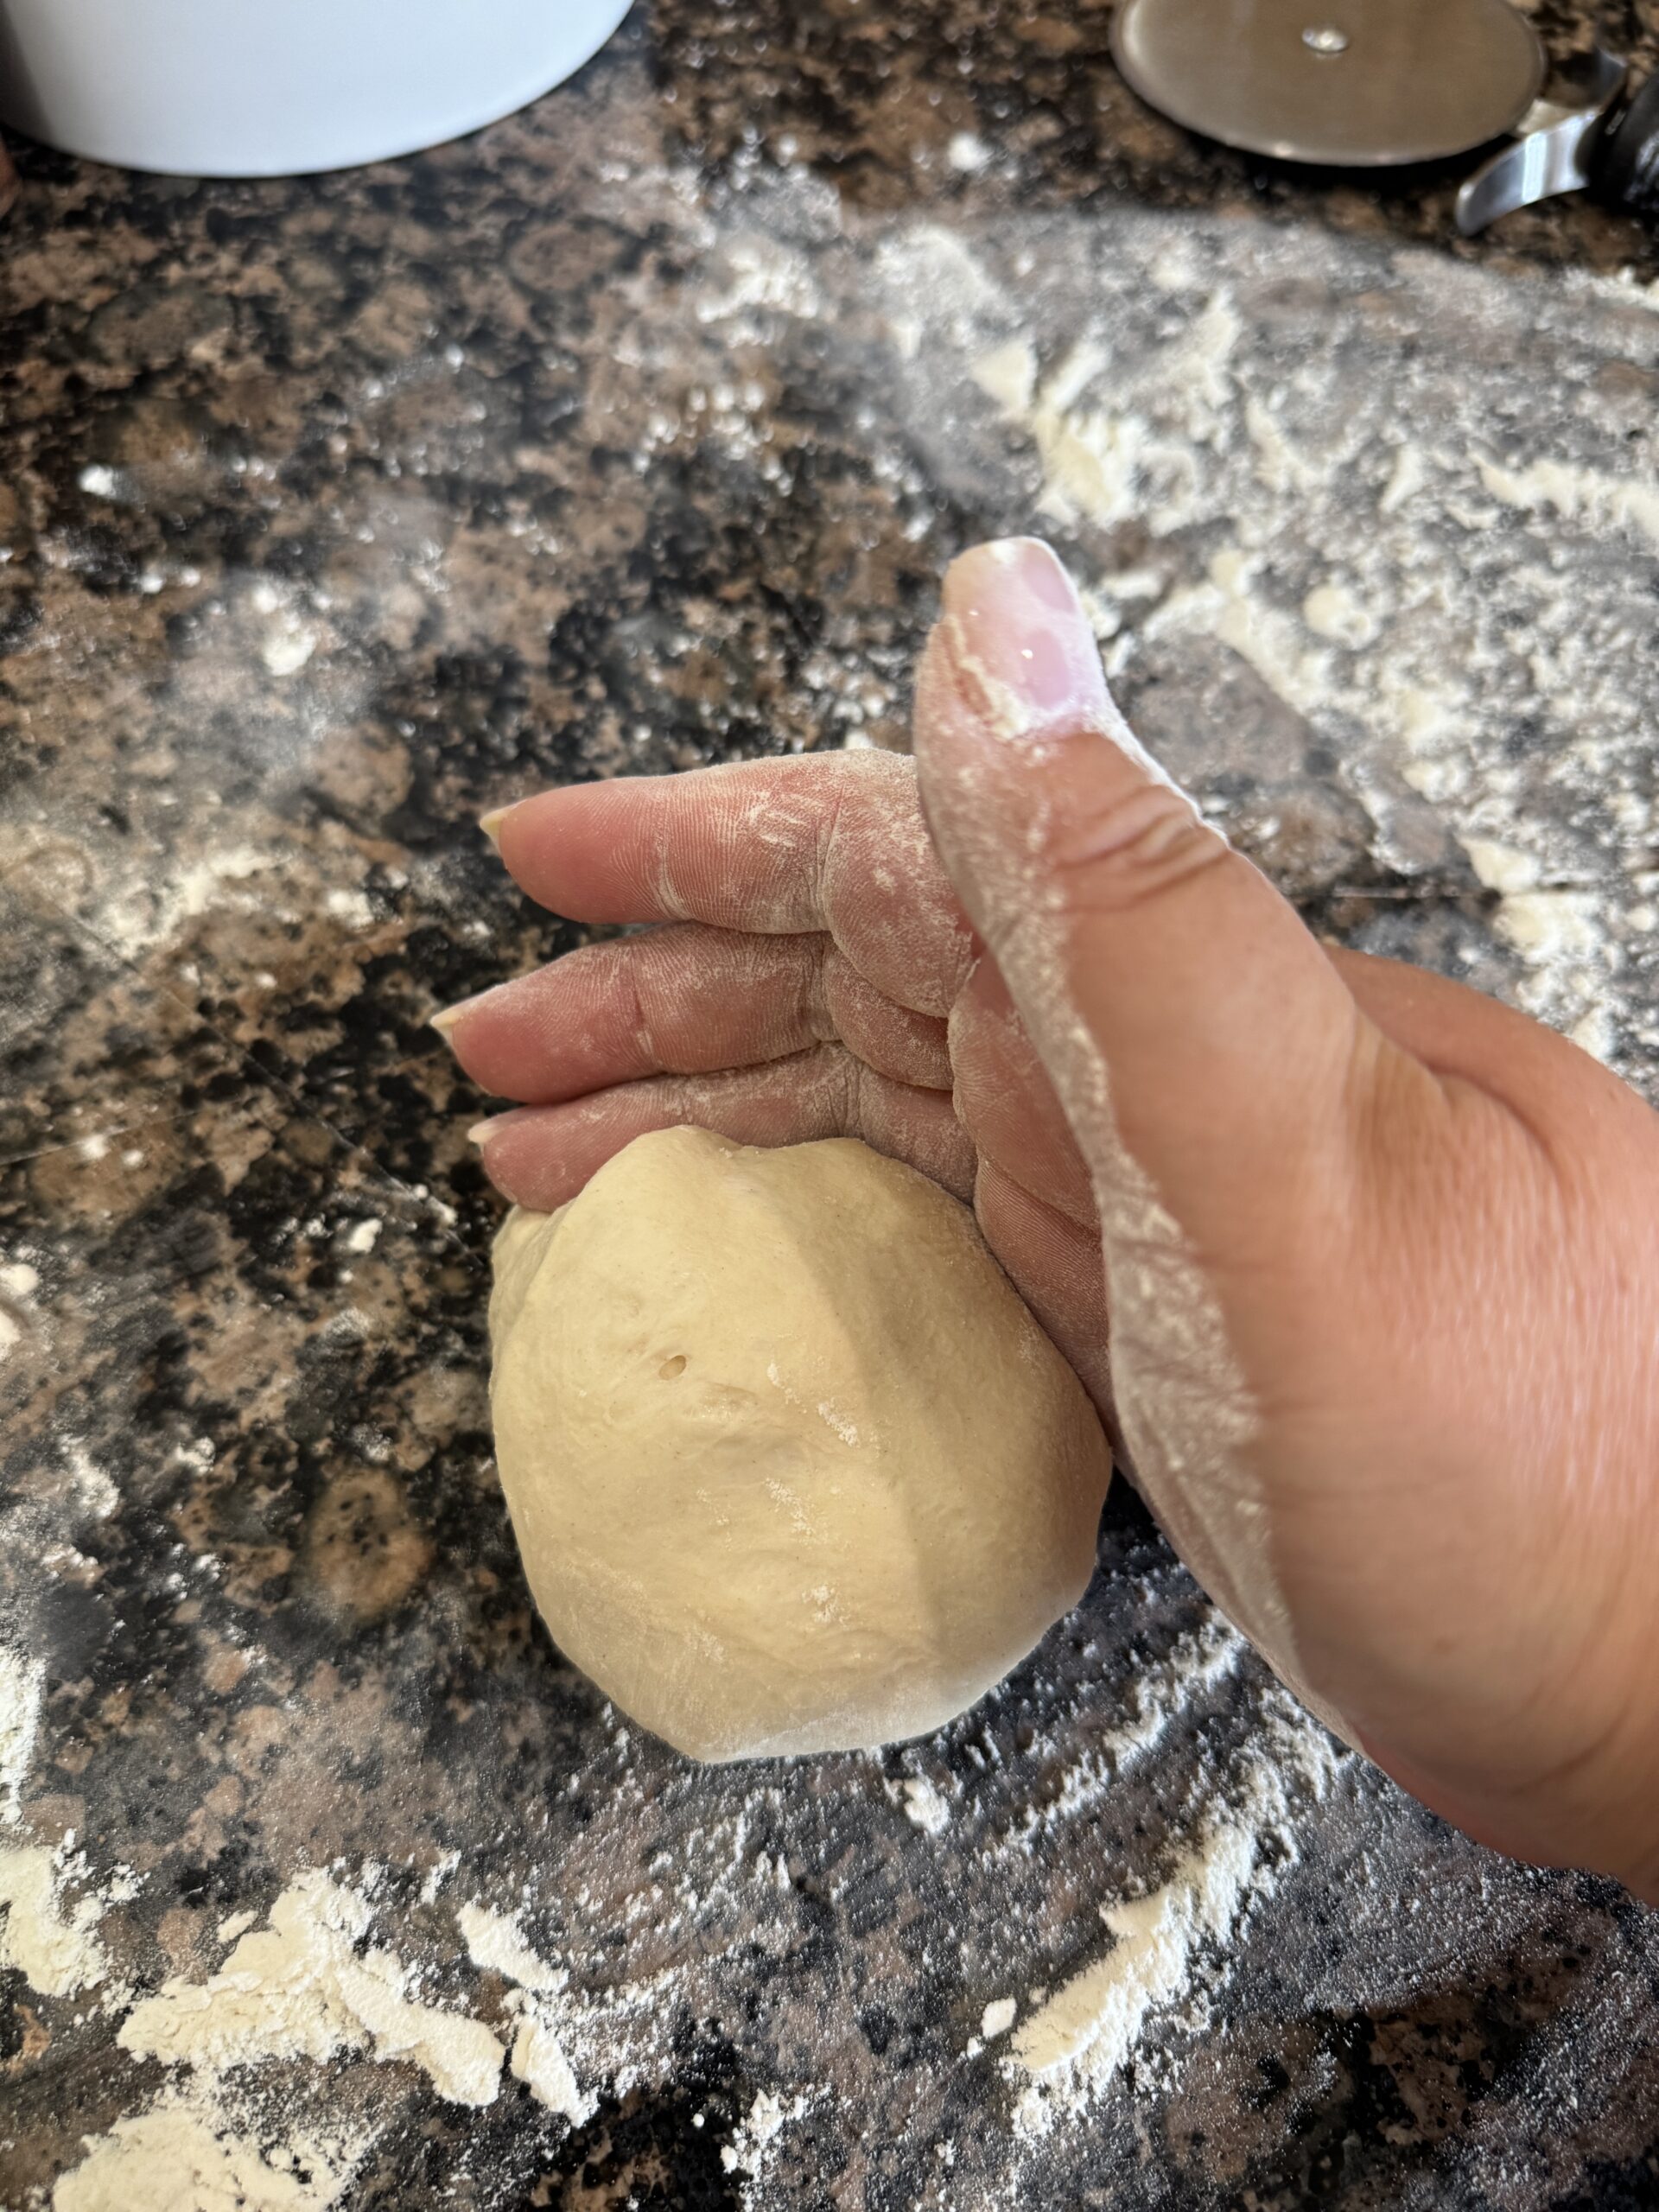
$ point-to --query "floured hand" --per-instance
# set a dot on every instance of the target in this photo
(815, 977)
(1377, 1251)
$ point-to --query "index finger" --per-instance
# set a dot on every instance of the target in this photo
(785, 847)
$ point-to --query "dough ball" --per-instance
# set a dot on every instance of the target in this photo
(791, 1467)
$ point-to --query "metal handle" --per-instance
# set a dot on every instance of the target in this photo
(1603, 144)
(1626, 163)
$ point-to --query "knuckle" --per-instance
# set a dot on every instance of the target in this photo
(906, 1047)
(1125, 849)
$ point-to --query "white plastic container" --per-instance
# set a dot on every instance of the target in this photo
(269, 87)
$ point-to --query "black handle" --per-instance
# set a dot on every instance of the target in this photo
(1626, 163)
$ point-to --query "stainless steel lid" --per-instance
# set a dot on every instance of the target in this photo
(1355, 83)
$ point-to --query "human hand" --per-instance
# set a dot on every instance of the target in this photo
(815, 976)
(1376, 1250)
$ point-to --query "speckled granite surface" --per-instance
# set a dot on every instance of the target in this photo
(631, 435)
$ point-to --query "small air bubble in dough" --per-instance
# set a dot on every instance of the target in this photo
(791, 1467)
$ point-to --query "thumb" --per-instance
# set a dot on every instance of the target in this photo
(1203, 1047)
(1184, 1013)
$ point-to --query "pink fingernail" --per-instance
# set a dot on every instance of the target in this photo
(445, 1020)
(1019, 642)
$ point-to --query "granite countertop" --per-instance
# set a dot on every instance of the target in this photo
(631, 433)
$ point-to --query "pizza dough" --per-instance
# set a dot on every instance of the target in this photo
(791, 1467)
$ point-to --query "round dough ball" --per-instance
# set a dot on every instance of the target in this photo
(791, 1467)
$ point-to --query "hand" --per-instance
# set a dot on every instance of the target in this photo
(815, 977)
(1378, 1252)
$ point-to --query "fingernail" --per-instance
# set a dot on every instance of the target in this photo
(445, 1020)
(479, 1132)
(489, 823)
(1021, 646)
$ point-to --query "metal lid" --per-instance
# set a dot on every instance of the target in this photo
(1355, 83)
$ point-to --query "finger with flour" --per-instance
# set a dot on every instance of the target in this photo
(780, 847)
(1055, 1261)
(1007, 1104)
(539, 1156)
(685, 998)
(1186, 1018)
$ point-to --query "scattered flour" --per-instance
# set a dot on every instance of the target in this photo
(151, 915)
(288, 644)
(353, 907)
(300, 1989)
(1165, 1694)
(1413, 598)
(186, 2154)
(924, 1806)
(1550, 927)
(1407, 477)
(1499, 868)
(57, 1952)
(438, 1874)
(1626, 504)
(539, 2061)
(1078, 2039)
(495, 1941)
(752, 2138)
(95, 1490)
(1332, 611)
(538, 2058)
(23, 1684)
(832, 1417)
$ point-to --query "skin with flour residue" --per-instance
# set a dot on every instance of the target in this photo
(1415, 1222)
(1183, 1411)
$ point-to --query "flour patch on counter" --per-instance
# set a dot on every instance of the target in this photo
(301, 1989)
(1331, 611)
(95, 1490)
(150, 915)
(539, 2057)
(1577, 494)
(52, 1943)
(1500, 867)
(922, 1803)
(50, 1903)
(756, 2132)
(1186, 411)
(188, 2152)
(1170, 1947)
(1167, 1694)
(22, 1685)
